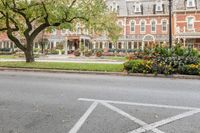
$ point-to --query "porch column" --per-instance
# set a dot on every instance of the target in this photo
(143, 45)
(122, 44)
(54, 44)
(138, 47)
(94, 45)
(132, 44)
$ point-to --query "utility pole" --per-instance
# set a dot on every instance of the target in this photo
(170, 23)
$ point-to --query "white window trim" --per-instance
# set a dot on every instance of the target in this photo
(138, 5)
(193, 5)
(159, 5)
(155, 25)
(164, 20)
(131, 26)
(193, 23)
(144, 26)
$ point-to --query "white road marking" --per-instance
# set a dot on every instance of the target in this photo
(138, 121)
(145, 127)
(81, 121)
(140, 104)
(165, 121)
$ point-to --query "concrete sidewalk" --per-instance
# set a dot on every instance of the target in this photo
(102, 61)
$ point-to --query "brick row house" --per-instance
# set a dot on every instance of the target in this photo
(187, 22)
(145, 23)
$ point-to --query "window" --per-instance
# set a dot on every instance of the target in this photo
(138, 8)
(132, 26)
(159, 7)
(118, 9)
(153, 26)
(114, 6)
(120, 23)
(190, 23)
(129, 45)
(164, 26)
(142, 26)
(190, 3)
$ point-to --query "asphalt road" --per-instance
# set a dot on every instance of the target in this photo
(72, 103)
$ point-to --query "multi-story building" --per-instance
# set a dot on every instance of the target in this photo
(187, 22)
(145, 23)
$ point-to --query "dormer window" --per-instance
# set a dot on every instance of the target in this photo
(190, 3)
(159, 6)
(138, 8)
(114, 6)
(118, 8)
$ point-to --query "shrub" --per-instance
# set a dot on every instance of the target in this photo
(54, 51)
(190, 69)
(88, 53)
(130, 64)
(5, 49)
(77, 53)
(36, 50)
(63, 51)
(99, 53)
(59, 46)
(112, 50)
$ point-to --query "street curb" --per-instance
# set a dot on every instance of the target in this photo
(63, 71)
(177, 76)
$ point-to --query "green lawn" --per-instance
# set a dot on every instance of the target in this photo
(115, 58)
(7, 57)
(65, 66)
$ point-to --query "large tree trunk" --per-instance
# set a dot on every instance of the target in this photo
(29, 55)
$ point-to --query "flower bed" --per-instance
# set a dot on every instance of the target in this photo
(165, 61)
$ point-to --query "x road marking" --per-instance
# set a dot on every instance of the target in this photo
(144, 126)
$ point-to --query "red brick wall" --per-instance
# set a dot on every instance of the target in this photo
(181, 21)
(127, 28)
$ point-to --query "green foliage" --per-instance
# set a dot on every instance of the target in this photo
(60, 46)
(132, 64)
(143, 66)
(54, 51)
(77, 52)
(65, 66)
(88, 53)
(99, 52)
(25, 19)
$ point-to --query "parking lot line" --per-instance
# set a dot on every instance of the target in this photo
(165, 121)
(140, 104)
(138, 121)
(145, 127)
(81, 121)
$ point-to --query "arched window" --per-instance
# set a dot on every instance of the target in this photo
(164, 25)
(142, 26)
(132, 26)
(153, 26)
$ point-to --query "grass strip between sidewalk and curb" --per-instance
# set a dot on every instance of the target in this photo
(65, 66)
